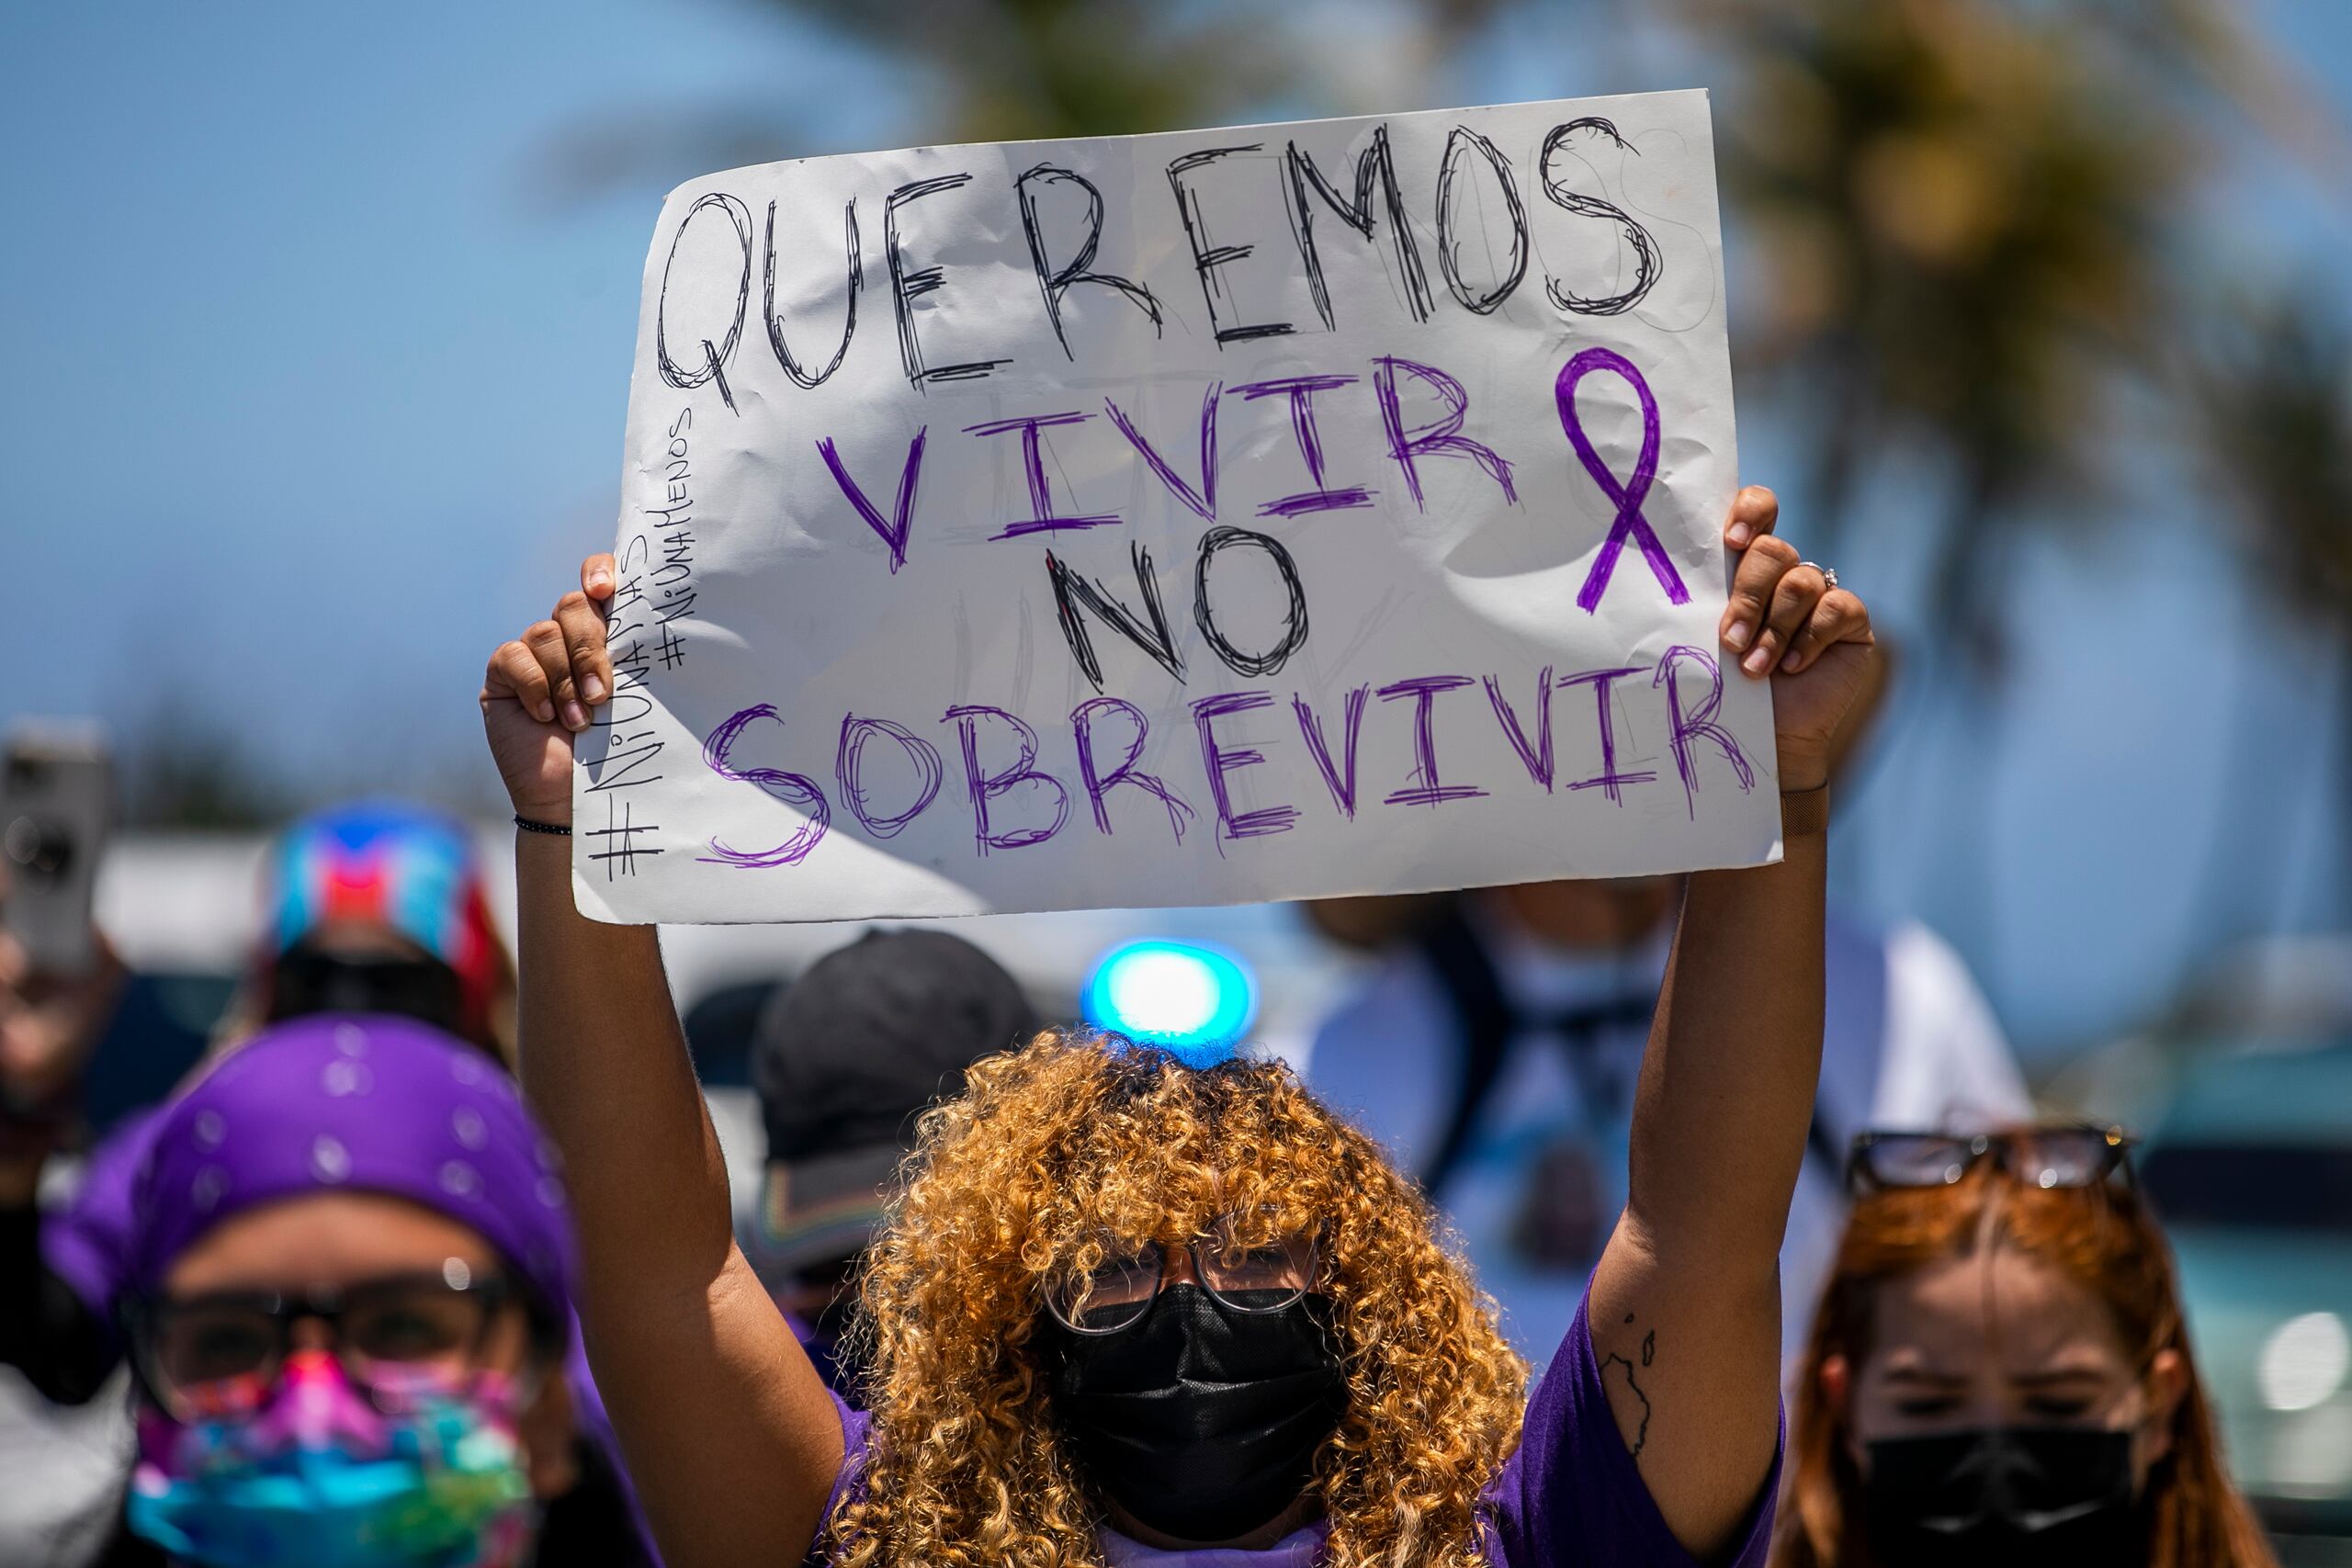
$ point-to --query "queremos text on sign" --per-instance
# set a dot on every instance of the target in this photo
(1259, 513)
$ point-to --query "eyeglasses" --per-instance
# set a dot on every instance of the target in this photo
(218, 1355)
(1249, 1279)
(2037, 1156)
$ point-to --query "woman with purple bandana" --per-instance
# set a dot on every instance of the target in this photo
(1141, 1307)
(348, 1315)
(375, 908)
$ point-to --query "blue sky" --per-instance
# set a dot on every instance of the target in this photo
(315, 390)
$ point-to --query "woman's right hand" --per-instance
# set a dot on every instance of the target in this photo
(733, 1440)
(539, 690)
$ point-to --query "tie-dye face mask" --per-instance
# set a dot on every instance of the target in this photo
(427, 1474)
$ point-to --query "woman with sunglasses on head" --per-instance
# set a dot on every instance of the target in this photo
(348, 1315)
(1999, 1373)
(1138, 1307)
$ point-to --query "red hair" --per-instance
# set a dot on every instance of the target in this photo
(2104, 1239)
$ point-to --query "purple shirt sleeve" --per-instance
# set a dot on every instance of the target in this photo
(1571, 1492)
(595, 1428)
(855, 1429)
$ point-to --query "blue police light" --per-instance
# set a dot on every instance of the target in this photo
(1192, 1000)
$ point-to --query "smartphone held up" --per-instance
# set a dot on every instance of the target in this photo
(56, 800)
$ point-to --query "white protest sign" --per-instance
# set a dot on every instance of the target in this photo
(1234, 515)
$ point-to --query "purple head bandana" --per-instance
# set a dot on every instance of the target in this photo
(362, 1104)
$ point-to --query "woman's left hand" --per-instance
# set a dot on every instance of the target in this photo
(1784, 621)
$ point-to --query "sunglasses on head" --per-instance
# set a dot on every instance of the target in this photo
(2046, 1157)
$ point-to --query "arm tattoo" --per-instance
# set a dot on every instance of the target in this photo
(1649, 1353)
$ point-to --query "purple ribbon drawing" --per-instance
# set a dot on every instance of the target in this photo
(1629, 496)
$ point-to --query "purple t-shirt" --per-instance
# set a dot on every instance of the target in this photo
(1569, 1495)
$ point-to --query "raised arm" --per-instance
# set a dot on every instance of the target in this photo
(1686, 1304)
(729, 1434)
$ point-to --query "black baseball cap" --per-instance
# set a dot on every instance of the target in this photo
(847, 1057)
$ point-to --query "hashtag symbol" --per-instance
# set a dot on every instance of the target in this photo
(618, 837)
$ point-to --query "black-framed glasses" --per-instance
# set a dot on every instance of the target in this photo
(1246, 1277)
(2037, 1156)
(220, 1353)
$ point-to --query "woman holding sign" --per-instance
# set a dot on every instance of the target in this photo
(1141, 1307)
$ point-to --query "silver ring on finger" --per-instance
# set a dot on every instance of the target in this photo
(1828, 574)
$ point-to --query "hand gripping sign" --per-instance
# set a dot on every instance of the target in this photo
(1200, 518)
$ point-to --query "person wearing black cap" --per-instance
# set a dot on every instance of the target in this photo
(846, 1058)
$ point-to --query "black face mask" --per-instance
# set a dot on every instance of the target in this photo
(307, 981)
(1201, 1421)
(2015, 1497)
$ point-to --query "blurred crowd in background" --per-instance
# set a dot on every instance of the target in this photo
(2048, 293)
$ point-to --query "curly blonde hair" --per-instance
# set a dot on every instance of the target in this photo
(1079, 1145)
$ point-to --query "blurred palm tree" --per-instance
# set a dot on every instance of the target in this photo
(1972, 217)
(2266, 404)
(179, 772)
(1958, 204)
(1961, 208)
(1957, 207)
(984, 71)
(1012, 69)
(2269, 402)
(1005, 70)
(1975, 219)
